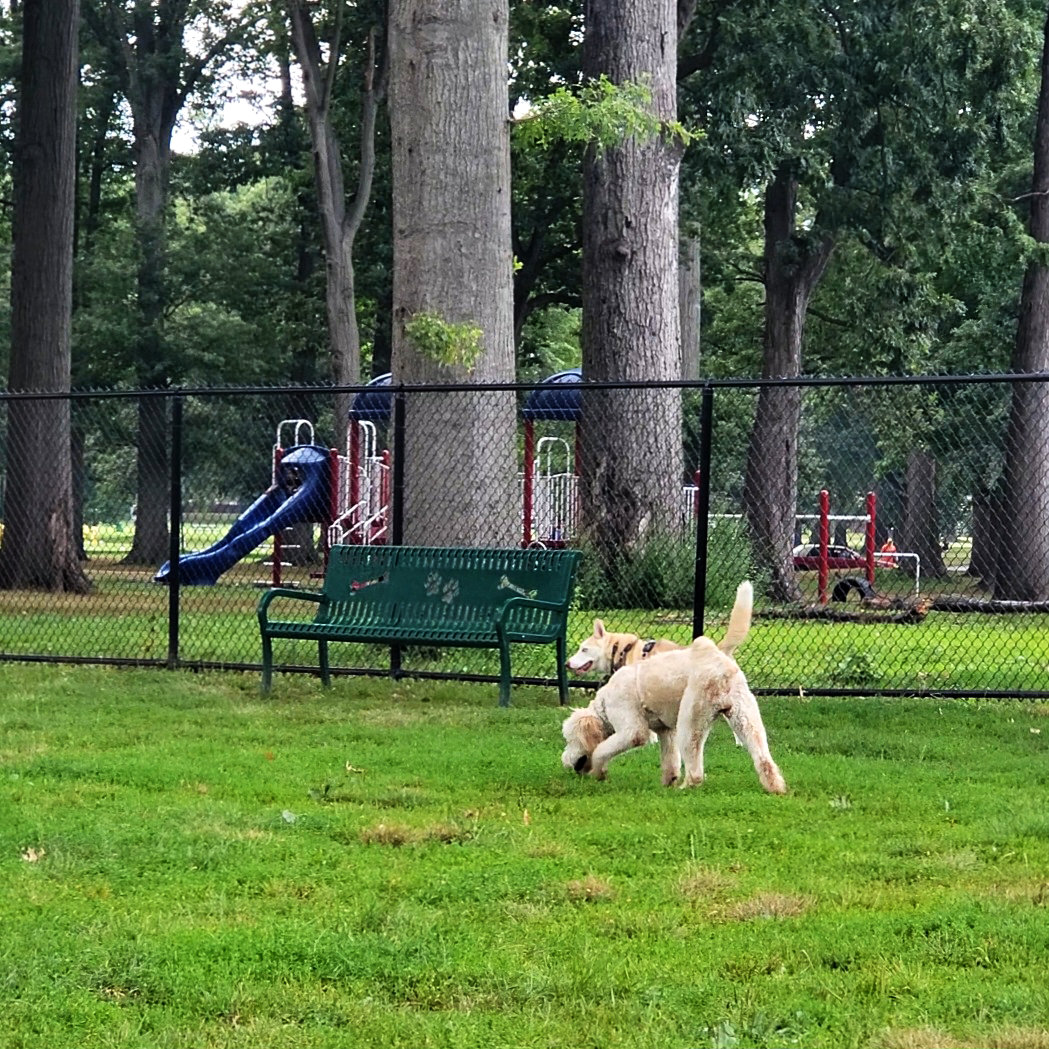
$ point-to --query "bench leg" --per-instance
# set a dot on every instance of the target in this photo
(562, 669)
(322, 657)
(267, 663)
(504, 674)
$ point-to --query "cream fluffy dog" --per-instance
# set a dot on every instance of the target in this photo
(677, 695)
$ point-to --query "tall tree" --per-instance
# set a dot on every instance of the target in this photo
(39, 547)
(157, 70)
(861, 121)
(340, 222)
(452, 297)
(1022, 570)
(632, 472)
(793, 263)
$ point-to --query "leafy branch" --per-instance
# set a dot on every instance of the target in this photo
(446, 343)
(600, 113)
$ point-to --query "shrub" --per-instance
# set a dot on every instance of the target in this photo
(662, 572)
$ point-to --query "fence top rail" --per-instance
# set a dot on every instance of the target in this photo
(524, 387)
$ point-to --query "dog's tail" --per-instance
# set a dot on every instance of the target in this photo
(739, 619)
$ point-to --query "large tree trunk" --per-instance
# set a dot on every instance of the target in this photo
(452, 260)
(39, 549)
(919, 531)
(339, 224)
(632, 466)
(792, 269)
(1022, 572)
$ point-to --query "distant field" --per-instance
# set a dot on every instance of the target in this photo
(127, 617)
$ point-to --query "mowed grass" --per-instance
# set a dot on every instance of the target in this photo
(187, 864)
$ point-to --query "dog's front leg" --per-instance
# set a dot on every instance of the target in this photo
(669, 756)
(618, 743)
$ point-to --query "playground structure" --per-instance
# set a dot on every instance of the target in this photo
(823, 519)
(349, 496)
(301, 491)
(549, 481)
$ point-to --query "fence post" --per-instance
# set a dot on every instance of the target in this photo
(397, 501)
(699, 590)
(175, 531)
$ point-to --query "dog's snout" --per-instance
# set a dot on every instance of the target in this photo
(582, 764)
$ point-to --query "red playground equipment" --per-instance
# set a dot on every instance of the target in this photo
(824, 518)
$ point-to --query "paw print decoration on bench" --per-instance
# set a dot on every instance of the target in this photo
(448, 590)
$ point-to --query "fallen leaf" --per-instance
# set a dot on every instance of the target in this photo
(527, 818)
(352, 768)
(33, 855)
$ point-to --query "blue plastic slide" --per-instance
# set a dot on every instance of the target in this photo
(303, 493)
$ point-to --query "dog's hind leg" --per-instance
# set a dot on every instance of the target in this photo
(745, 719)
(695, 717)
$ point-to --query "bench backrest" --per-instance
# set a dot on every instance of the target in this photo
(445, 585)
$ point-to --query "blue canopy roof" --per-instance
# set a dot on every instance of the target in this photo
(559, 397)
(373, 404)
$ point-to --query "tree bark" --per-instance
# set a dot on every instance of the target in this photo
(793, 266)
(39, 548)
(632, 467)
(919, 531)
(1022, 571)
(690, 289)
(152, 167)
(452, 258)
(986, 535)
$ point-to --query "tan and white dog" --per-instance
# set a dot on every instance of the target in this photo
(678, 695)
(604, 651)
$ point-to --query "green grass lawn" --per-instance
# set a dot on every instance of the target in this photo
(185, 864)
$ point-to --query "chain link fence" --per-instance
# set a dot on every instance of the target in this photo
(896, 530)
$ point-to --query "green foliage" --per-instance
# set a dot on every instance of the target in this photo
(550, 342)
(855, 670)
(453, 345)
(661, 574)
(600, 113)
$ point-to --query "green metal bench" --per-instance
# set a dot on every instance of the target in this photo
(412, 595)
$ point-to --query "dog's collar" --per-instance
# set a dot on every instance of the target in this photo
(619, 658)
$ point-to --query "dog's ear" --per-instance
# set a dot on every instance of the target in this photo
(599, 628)
(591, 732)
